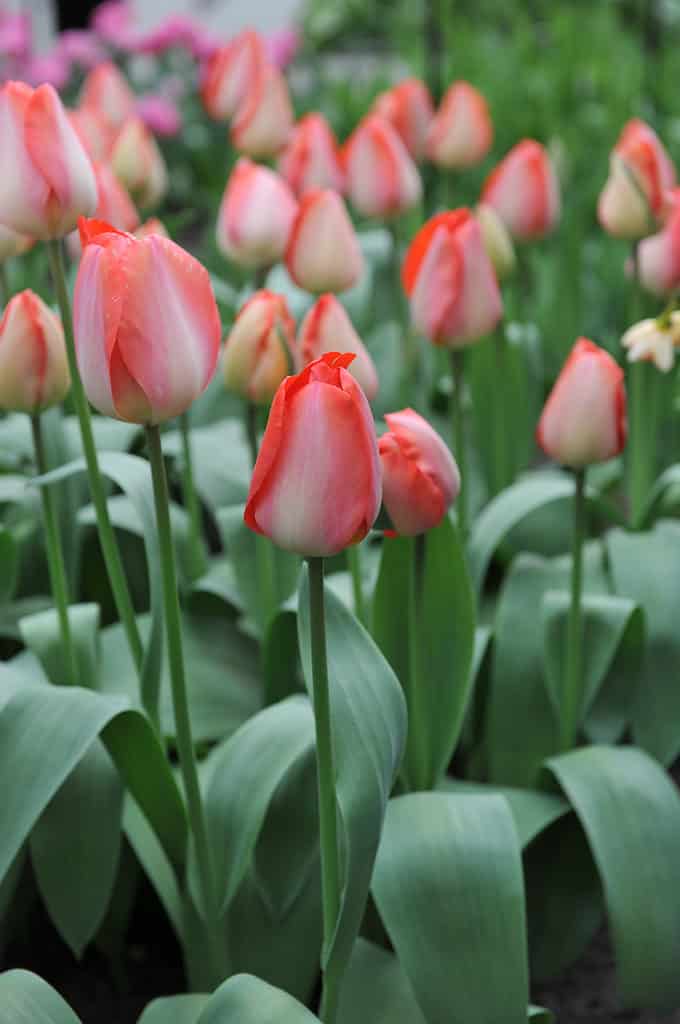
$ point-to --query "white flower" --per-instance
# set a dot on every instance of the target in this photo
(654, 340)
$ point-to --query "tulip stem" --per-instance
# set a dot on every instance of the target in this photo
(354, 561)
(4, 285)
(197, 548)
(107, 538)
(265, 565)
(185, 745)
(328, 813)
(501, 425)
(572, 697)
(418, 770)
(641, 443)
(458, 437)
(55, 555)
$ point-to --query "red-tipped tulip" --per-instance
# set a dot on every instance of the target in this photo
(256, 354)
(316, 484)
(462, 131)
(106, 92)
(230, 74)
(659, 255)
(47, 178)
(139, 164)
(633, 201)
(524, 191)
(327, 328)
(450, 281)
(311, 158)
(256, 216)
(584, 418)
(146, 325)
(264, 119)
(420, 476)
(323, 253)
(409, 109)
(33, 365)
(382, 179)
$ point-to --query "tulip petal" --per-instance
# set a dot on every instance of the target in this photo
(24, 192)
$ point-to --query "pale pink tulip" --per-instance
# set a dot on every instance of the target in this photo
(633, 200)
(461, 132)
(264, 118)
(409, 109)
(256, 355)
(382, 179)
(139, 164)
(230, 74)
(328, 328)
(256, 216)
(311, 158)
(33, 365)
(524, 191)
(323, 253)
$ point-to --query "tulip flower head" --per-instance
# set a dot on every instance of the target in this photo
(633, 200)
(328, 328)
(409, 109)
(47, 178)
(420, 476)
(382, 179)
(256, 354)
(256, 216)
(114, 204)
(323, 252)
(584, 418)
(139, 164)
(33, 365)
(658, 256)
(524, 191)
(461, 132)
(497, 241)
(95, 134)
(230, 74)
(152, 226)
(106, 92)
(316, 485)
(311, 159)
(450, 281)
(264, 119)
(146, 325)
(654, 341)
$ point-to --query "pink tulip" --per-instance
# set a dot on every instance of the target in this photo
(47, 180)
(95, 134)
(659, 255)
(230, 74)
(152, 226)
(33, 365)
(256, 216)
(311, 158)
(420, 476)
(160, 115)
(138, 163)
(408, 107)
(256, 354)
(327, 328)
(584, 418)
(633, 201)
(106, 91)
(175, 31)
(382, 180)
(462, 131)
(323, 253)
(524, 191)
(316, 485)
(114, 204)
(450, 281)
(264, 118)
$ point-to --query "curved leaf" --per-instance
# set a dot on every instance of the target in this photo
(27, 999)
(174, 1010)
(41, 634)
(532, 810)
(375, 989)
(250, 1000)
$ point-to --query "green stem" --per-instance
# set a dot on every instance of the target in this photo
(458, 437)
(250, 424)
(199, 563)
(572, 697)
(501, 424)
(265, 565)
(107, 538)
(418, 769)
(4, 285)
(354, 561)
(55, 555)
(641, 442)
(180, 703)
(328, 814)
(432, 61)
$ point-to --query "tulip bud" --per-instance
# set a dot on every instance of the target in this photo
(256, 216)
(323, 253)
(327, 328)
(408, 107)
(640, 174)
(524, 191)
(138, 163)
(256, 354)
(146, 325)
(311, 158)
(450, 281)
(230, 74)
(420, 476)
(584, 418)
(654, 341)
(152, 226)
(106, 91)
(316, 485)
(658, 256)
(47, 178)
(95, 134)
(382, 179)
(461, 132)
(12, 243)
(264, 119)
(497, 241)
(33, 365)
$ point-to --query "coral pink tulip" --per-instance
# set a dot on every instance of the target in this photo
(146, 325)
(139, 164)
(524, 191)
(47, 179)
(659, 255)
(382, 180)
(33, 365)
(328, 328)
(114, 204)
(584, 418)
(420, 476)
(256, 216)
(256, 354)
(264, 118)
(96, 135)
(450, 281)
(323, 253)
(409, 109)
(230, 74)
(316, 485)
(152, 226)
(311, 158)
(633, 201)
(106, 91)
(461, 132)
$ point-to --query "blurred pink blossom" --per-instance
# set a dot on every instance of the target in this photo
(173, 31)
(160, 114)
(282, 46)
(113, 21)
(80, 46)
(51, 68)
(15, 35)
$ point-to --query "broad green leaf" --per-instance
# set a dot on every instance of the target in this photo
(250, 1000)
(667, 483)
(154, 861)
(532, 810)
(223, 480)
(9, 559)
(368, 722)
(375, 989)
(75, 846)
(280, 656)
(448, 885)
(174, 1010)
(539, 1015)
(27, 999)
(630, 811)
(41, 634)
